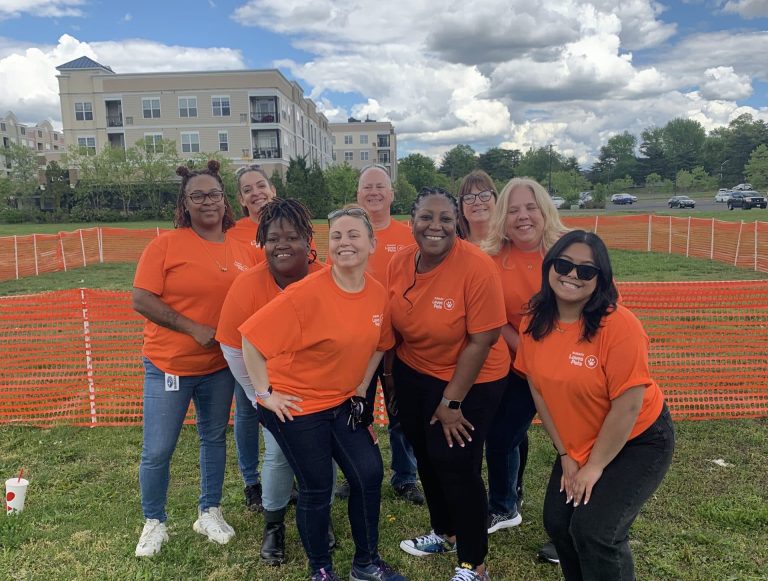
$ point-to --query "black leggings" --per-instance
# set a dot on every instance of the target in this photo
(452, 478)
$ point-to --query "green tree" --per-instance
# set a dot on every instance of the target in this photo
(155, 166)
(568, 184)
(499, 163)
(405, 194)
(276, 179)
(317, 197)
(342, 183)
(757, 168)
(23, 169)
(57, 185)
(617, 158)
(683, 143)
(537, 163)
(458, 162)
(652, 159)
(418, 169)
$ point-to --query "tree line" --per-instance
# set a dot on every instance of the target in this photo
(139, 182)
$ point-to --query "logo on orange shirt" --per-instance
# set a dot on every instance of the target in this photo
(393, 247)
(591, 361)
(576, 359)
(440, 303)
(240, 266)
(377, 320)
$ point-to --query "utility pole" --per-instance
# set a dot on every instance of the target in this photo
(721, 170)
(550, 169)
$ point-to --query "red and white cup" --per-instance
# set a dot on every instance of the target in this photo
(15, 494)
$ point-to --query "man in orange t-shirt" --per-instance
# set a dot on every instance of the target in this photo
(375, 196)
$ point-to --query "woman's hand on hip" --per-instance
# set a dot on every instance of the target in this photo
(281, 405)
(456, 427)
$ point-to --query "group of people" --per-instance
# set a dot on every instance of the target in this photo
(482, 313)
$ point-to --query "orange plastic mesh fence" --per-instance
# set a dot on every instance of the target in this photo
(73, 357)
(738, 243)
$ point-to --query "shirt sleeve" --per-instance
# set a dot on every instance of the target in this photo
(232, 313)
(150, 271)
(626, 358)
(285, 326)
(485, 301)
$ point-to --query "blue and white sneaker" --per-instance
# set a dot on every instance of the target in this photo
(323, 575)
(465, 572)
(429, 544)
(376, 571)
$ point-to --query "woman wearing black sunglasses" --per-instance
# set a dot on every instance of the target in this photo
(586, 359)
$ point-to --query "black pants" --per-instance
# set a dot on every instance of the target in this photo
(452, 478)
(592, 539)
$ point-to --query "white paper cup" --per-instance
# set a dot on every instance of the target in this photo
(15, 493)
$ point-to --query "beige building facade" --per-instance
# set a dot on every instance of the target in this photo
(41, 138)
(255, 116)
(363, 143)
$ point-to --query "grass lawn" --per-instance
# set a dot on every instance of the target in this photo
(83, 514)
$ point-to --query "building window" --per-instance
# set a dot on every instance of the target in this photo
(55, 136)
(190, 143)
(151, 108)
(383, 140)
(84, 111)
(223, 141)
(334, 156)
(187, 106)
(47, 146)
(153, 142)
(87, 144)
(384, 156)
(23, 130)
(220, 106)
(2, 127)
(39, 134)
(349, 156)
(363, 156)
(347, 140)
(363, 139)
(333, 138)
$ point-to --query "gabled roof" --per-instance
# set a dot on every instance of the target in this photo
(82, 63)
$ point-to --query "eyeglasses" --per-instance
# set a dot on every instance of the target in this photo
(485, 196)
(355, 213)
(198, 197)
(583, 271)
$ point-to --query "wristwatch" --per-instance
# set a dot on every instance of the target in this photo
(452, 404)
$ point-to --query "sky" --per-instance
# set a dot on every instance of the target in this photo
(508, 73)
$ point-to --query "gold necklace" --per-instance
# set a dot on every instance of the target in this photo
(212, 257)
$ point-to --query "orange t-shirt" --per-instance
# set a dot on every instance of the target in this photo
(244, 232)
(578, 380)
(520, 278)
(327, 335)
(461, 296)
(185, 272)
(389, 240)
(251, 290)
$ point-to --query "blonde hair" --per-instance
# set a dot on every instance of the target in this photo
(553, 227)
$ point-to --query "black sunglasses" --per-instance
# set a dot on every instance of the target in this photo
(583, 271)
(355, 213)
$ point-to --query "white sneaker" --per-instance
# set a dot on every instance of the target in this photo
(210, 522)
(152, 538)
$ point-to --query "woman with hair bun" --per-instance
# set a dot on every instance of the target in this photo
(180, 284)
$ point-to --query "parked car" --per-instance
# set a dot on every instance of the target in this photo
(681, 202)
(622, 199)
(742, 188)
(746, 200)
(585, 197)
(634, 198)
(722, 195)
(558, 201)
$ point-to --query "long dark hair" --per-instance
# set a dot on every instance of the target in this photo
(543, 306)
(181, 216)
(293, 212)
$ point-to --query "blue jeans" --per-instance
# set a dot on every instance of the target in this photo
(164, 413)
(311, 442)
(277, 476)
(592, 540)
(508, 429)
(403, 461)
(246, 437)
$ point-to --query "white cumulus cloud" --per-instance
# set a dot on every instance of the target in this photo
(747, 8)
(44, 8)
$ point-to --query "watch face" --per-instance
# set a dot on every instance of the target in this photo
(454, 405)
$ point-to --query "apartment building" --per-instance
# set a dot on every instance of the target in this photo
(42, 138)
(254, 116)
(362, 143)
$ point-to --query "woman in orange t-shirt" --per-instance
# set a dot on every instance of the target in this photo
(254, 191)
(181, 281)
(332, 329)
(449, 374)
(586, 359)
(477, 201)
(524, 226)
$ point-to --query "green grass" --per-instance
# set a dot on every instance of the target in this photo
(628, 266)
(83, 514)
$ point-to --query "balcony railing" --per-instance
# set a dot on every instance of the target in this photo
(114, 120)
(257, 117)
(267, 153)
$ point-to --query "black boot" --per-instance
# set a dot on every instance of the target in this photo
(273, 543)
